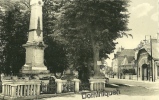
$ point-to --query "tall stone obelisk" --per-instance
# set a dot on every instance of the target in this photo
(35, 46)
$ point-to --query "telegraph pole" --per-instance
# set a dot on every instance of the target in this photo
(151, 64)
(151, 58)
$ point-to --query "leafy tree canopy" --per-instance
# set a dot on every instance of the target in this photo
(91, 26)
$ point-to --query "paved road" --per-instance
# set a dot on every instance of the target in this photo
(113, 97)
(145, 84)
(127, 92)
(132, 90)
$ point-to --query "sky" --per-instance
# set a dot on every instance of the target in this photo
(143, 21)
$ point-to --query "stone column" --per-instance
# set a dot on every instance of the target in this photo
(91, 86)
(34, 90)
(103, 85)
(95, 86)
(3, 89)
(38, 89)
(8, 90)
(24, 90)
(28, 87)
(18, 90)
(13, 94)
(31, 90)
(76, 84)
(59, 85)
(21, 90)
(98, 85)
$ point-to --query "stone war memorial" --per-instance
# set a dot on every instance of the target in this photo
(35, 80)
(35, 46)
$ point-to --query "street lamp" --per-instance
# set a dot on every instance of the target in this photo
(150, 56)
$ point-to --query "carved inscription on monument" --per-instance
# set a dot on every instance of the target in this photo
(39, 56)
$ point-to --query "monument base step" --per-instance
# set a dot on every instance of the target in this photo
(40, 68)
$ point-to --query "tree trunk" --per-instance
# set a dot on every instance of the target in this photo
(98, 74)
(95, 59)
(96, 48)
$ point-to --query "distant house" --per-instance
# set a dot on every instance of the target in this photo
(115, 60)
(114, 65)
(123, 59)
(128, 63)
(147, 70)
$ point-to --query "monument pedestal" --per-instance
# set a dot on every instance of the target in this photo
(97, 81)
(34, 58)
(76, 81)
(97, 84)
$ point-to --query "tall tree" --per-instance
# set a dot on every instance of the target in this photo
(55, 53)
(93, 25)
(13, 33)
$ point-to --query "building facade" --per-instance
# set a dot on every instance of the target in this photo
(123, 60)
(148, 61)
(115, 65)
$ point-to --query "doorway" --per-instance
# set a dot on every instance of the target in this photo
(144, 72)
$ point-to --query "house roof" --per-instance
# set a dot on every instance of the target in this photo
(130, 59)
(126, 56)
(127, 60)
(127, 52)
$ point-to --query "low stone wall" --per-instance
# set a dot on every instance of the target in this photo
(67, 86)
(44, 86)
(59, 86)
(97, 84)
(24, 87)
(20, 88)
